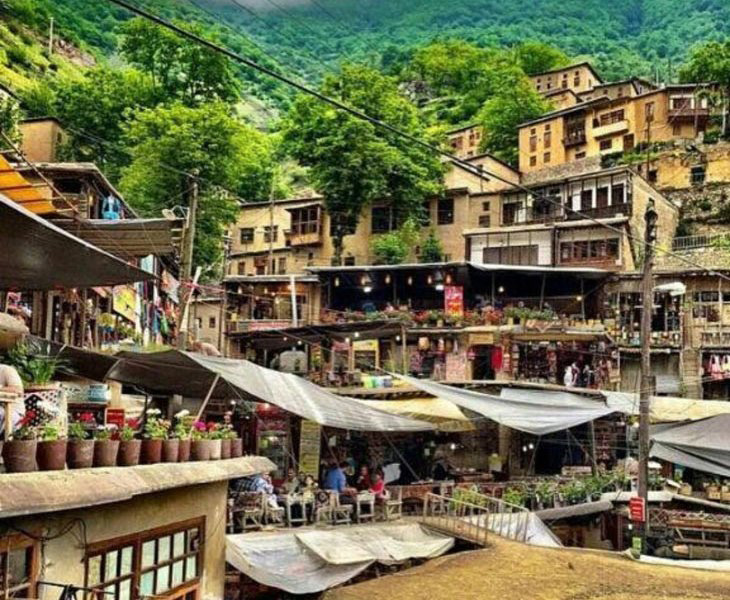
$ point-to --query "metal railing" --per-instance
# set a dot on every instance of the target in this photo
(690, 242)
(456, 517)
(603, 212)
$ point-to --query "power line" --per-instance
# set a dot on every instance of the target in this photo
(461, 163)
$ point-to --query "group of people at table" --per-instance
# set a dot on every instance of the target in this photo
(335, 481)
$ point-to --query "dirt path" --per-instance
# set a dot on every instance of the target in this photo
(508, 570)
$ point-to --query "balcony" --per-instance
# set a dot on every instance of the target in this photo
(249, 325)
(688, 114)
(603, 212)
(306, 234)
(715, 338)
(611, 128)
(575, 138)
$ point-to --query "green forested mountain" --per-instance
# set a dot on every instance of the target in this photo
(309, 37)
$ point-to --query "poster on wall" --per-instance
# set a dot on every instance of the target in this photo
(309, 444)
(125, 302)
(454, 300)
(456, 367)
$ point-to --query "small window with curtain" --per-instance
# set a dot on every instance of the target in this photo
(152, 563)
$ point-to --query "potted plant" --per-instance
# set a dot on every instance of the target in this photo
(236, 446)
(80, 447)
(215, 435)
(182, 432)
(170, 445)
(545, 494)
(155, 432)
(129, 445)
(227, 436)
(200, 443)
(36, 371)
(51, 451)
(106, 449)
(19, 453)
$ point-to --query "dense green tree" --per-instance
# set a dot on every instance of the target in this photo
(9, 118)
(711, 62)
(167, 141)
(537, 57)
(516, 103)
(432, 250)
(352, 162)
(179, 68)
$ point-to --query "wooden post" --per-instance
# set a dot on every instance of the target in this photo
(207, 397)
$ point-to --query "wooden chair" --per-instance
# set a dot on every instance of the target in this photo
(365, 507)
(393, 505)
(273, 515)
(247, 510)
(342, 513)
(331, 511)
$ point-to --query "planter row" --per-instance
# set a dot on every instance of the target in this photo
(23, 456)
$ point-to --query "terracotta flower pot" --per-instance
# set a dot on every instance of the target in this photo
(105, 453)
(51, 456)
(129, 453)
(183, 454)
(200, 450)
(80, 454)
(151, 452)
(225, 448)
(20, 456)
(170, 451)
(236, 448)
(215, 449)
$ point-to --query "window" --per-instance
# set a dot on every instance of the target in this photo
(268, 237)
(241, 267)
(486, 207)
(697, 175)
(617, 194)
(445, 215)
(533, 161)
(533, 131)
(211, 322)
(198, 323)
(18, 567)
(576, 81)
(538, 87)
(586, 200)
(579, 155)
(282, 265)
(676, 129)
(602, 197)
(485, 220)
(384, 219)
(457, 143)
(547, 139)
(349, 261)
(547, 126)
(509, 213)
(649, 111)
(549, 85)
(653, 176)
(565, 83)
(628, 142)
(546, 157)
(613, 117)
(606, 144)
(511, 255)
(247, 235)
(305, 220)
(533, 143)
(339, 222)
(589, 250)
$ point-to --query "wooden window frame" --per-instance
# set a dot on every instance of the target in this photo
(445, 211)
(267, 234)
(248, 238)
(137, 541)
(12, 543)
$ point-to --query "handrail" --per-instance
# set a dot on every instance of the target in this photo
(457, 517)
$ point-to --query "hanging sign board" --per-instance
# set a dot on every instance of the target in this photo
(309, 444)
(637, 510)
(125, 302)
(454, 300)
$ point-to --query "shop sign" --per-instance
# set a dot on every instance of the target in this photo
(456, 367)
(115, 416)
(365, 346)
(454, 300)
(125, 302)
(264, 325)
(637, 509)
(310, 438)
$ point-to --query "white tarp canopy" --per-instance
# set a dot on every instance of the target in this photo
(703, 445)
(536, 413)
(304, 398)
(309, 561)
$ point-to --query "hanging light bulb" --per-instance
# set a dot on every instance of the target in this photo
(429, 280)
(266, 290)
(367, 283)
(387, 279)
(448, 279)
(500, 289)
(357, 334)
(347, 340)
(397, 338)
(438, 281)
(579, 298)
(337, 282)
(531, 446)
(410, 280)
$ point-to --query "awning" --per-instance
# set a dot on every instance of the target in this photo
(193, 375)
(288, 336)
(446, 415)
(668, 409)
(37, 255)
(703, 445)
(536, 413)
(127, 238)
(34, 198)
(311, 561)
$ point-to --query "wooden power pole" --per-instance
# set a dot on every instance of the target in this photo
(186, 266)
(647, 381)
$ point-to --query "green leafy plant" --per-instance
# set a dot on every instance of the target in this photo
(77, 431)
(104, 433)
(155, 428)
(34, 369)
(432, 250)
(50, 433)
(515, 496)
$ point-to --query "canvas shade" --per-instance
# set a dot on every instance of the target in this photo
(446, 415)
(538, 414)
(37, 255)
(703, 445)
(193, 375)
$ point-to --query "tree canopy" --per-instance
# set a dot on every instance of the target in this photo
(352, 163)
(710, 62)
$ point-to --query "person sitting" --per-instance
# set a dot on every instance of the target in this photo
(335, 481)
(258, 483)
(292, 484)
(378, 488)
(363, 481)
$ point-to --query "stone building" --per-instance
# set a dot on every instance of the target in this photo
(579, 78)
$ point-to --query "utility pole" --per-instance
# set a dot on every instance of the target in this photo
(647, 381)
(186, 266)
(271, 268)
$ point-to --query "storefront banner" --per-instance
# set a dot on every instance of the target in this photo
(125, 302)
(454, 300)
(171, 286)
(310, 439)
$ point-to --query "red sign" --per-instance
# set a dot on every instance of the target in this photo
(115, 416)
(637, 510)
(454, 300)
